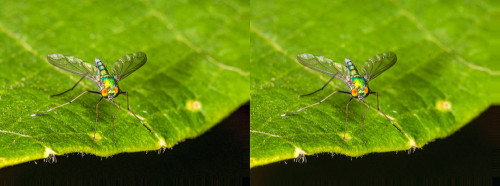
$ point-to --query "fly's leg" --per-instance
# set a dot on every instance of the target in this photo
(315, 103)
(378, 106)
(38, 114)
(70, 88)
(346, 115)
(117, 107)
(128, 108)
(96, 117)
(366, 111)
(386, 115)
(318, 89)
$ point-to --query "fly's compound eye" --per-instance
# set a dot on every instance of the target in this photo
(104, 92)
(354, 92)
(116, 91)
(366, 91)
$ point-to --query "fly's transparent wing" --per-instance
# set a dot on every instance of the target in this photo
(378, 64)
(325, 66)
(128, 64)
(74, 65)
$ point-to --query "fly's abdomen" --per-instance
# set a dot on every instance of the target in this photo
(352, 69)
(102, 69)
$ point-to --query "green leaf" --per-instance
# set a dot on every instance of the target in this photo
(196, 52)
(444, 76)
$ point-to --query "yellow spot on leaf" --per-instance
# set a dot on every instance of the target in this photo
(193, 105)
(412, 143)
(300, 155)
(298, 152)
(443, 105)
(347, 136)
(97, 136)
(161, 142)
(48, 152)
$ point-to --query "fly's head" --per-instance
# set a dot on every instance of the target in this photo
(110, 92)
(110, 88)
(361, 92)
(360, 88)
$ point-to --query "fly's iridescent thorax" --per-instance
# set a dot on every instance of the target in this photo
(359, 87)
(107, 85)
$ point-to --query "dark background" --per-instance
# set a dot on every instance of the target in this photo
(471, 156)
(218, 157)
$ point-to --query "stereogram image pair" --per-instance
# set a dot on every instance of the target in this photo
(248, 92)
